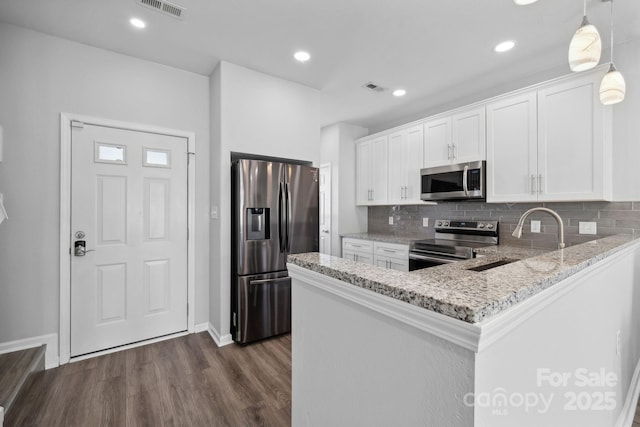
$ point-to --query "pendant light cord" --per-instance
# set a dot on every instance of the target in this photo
(584, 10)
(611, 11)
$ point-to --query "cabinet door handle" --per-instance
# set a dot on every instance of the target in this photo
(448, 151)
(539, 183)
(453, 151)
(533, 184)
(372, 193)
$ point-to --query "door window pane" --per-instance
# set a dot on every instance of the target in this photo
(156, 158)
(110, 153)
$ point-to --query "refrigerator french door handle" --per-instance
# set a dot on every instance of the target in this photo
(281, 214)
(289, 215)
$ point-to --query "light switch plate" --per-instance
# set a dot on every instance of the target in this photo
(535, 226)
(214, 212)
(390, 220)
(425, 222)
(587, 228)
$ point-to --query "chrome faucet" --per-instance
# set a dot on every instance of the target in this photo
(517, 233)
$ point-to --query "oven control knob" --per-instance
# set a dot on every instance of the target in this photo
(446, 224)
(439, 223)
(489, 226)
(481, 225)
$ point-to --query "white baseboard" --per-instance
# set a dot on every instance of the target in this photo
(219, 340)
(51, 359)
(625, 419)
(201, 327)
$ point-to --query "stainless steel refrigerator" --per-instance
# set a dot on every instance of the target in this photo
(274, 213)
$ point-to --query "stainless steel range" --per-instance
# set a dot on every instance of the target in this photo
(455, 240)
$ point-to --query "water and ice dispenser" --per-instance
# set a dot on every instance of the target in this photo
(258, 224)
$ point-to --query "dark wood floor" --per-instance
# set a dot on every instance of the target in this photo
(186, 381)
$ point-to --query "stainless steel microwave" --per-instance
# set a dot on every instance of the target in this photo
(461, 181)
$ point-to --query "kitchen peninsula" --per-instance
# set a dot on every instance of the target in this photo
(453, 346)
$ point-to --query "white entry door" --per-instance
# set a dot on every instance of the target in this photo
(324, 195)
(128, 237)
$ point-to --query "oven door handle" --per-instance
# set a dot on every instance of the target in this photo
(437, 254)
(434, 259)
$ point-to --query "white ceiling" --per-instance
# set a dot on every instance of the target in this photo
(438, 51)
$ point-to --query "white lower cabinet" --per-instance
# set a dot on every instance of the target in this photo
(380, 254)
(391, 255)
(357, 250)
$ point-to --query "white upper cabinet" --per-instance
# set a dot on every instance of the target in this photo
(550, 142)
(553, 144)
(468, 136)
(437, 142)
(363, 170)
(405, 161)
(574, 153)
(512, 149)
(457, 138)
(371, 172)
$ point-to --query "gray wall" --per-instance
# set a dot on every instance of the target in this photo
(40, 77)
(610, 218)
(253, 113)
(337, 147)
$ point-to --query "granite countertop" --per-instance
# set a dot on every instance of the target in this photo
(470, 296)
(387, 238)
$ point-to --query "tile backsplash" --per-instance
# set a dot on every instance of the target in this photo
(610, 218)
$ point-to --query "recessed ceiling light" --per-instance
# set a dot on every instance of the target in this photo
(138, 23)
(399, 92)
(524, 2)
(302, 56)
(504, 46)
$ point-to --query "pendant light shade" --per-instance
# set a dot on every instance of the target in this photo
(585, 48)
(612, 87)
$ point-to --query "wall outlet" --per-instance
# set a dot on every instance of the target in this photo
(214, 212)
(535, 226)
(618, 343)
(425, 222)
(390, 220)
(587, 227)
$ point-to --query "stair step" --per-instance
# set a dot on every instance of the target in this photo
(15, 368)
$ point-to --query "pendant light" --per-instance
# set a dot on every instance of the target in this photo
(586, 47)
(612, 87)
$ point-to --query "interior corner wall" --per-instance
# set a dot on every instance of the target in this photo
(40, 77)
(262, 115)
(626, 126)
(338, 147)
(215, 225)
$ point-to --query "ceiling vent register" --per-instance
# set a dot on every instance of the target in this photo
(164, 7)
(373, 87)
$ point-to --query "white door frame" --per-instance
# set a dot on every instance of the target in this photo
(330, 236)
(65, 218)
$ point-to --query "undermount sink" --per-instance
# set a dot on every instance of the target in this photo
(491, 265)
